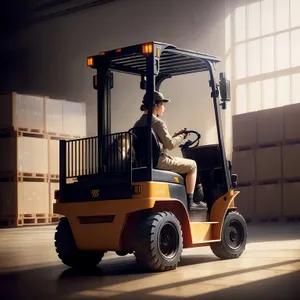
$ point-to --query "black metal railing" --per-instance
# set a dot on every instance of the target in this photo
(116, 153)
(82, 157)
(108, 155)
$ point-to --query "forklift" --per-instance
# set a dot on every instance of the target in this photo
(113, 197)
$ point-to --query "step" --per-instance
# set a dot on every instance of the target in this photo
(198, 209)
(205, 223)
(202, 232)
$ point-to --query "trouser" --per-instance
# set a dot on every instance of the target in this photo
(176, 164)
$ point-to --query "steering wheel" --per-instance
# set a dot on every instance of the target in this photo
(189, 143)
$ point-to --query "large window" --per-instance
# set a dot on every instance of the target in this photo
(263, 53)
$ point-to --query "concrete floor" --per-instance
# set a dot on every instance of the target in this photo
(269, 269)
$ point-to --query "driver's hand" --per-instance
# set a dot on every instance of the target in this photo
(182, 131)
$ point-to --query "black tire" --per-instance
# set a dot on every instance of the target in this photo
(122, 253)
(158, 242)
(234, 237)
(68, 252)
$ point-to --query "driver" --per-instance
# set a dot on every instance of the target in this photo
(166, 162)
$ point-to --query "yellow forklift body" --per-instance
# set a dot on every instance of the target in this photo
(106, 224)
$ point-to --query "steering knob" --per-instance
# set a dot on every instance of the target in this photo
(189, 143)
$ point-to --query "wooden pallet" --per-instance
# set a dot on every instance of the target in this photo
(35, 221)
(18, 222)
(29, 130)
(26, 216)
(11, 222)
(39, 215)
(33, 175)
(54, 218)
(63, 136)
(25, 132)
(22, 176)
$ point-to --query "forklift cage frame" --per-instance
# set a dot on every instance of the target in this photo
(154, 62)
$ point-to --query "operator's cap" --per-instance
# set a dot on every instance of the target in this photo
(157, 97)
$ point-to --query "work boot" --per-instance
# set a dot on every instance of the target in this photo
(198, 194)
(200, 204)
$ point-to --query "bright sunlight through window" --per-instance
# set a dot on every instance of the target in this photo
(262, 42)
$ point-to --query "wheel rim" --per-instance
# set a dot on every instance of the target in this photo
(168, 241)
(234, 235)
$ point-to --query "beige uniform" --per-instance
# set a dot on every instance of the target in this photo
(166, 162)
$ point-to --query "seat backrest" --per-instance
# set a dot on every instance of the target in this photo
(140, 146)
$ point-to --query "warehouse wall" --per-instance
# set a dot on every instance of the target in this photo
(49, 59)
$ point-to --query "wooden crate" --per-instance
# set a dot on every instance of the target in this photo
(53, 116)
(268, 163)
(291, 199)
(291, 122)
(268, 200)
(53, 157)
(245, 201)
(291, 161)
(24, 199)
(22, 111)
(74, 118)
(270, 126)
(52, 187)
(78, 154)
(23, 155)
(244, 130)
(243, 164)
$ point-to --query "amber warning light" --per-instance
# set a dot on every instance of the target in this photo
(147, 48)
(90, 61)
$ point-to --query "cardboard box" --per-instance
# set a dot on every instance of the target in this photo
(243, 164)
(74, 118)
(53, 186)
(53, 115)
(245, 201)
(291, 161)
(268, 201)
(54, 157)
(291, 199)
(23, 154)
(24, 198)
(291, 121)
(22, 111)
(270, 125)
(268, 163)
(244, 129)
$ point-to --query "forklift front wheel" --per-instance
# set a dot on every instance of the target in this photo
(68, 252)
(234, 237)
(158, 242)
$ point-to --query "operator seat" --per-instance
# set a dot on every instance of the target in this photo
(140, 149)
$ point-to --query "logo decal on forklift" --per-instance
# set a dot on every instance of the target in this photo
(95, 193)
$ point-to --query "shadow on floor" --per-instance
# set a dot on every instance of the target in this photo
(271, 232)
(280, 287)
(61, 283)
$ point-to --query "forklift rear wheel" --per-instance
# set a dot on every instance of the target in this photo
(68, 252)
(158, 242)
(234, 237)
(122, 253)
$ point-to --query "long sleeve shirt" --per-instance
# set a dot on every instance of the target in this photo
(161, 132)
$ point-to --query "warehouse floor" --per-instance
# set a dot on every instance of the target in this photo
(269, 268)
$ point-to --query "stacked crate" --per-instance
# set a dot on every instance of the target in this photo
(266, 145)
(291, 161)
(24, 194)
(28, 164)
(244, 129)
(63, 120)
